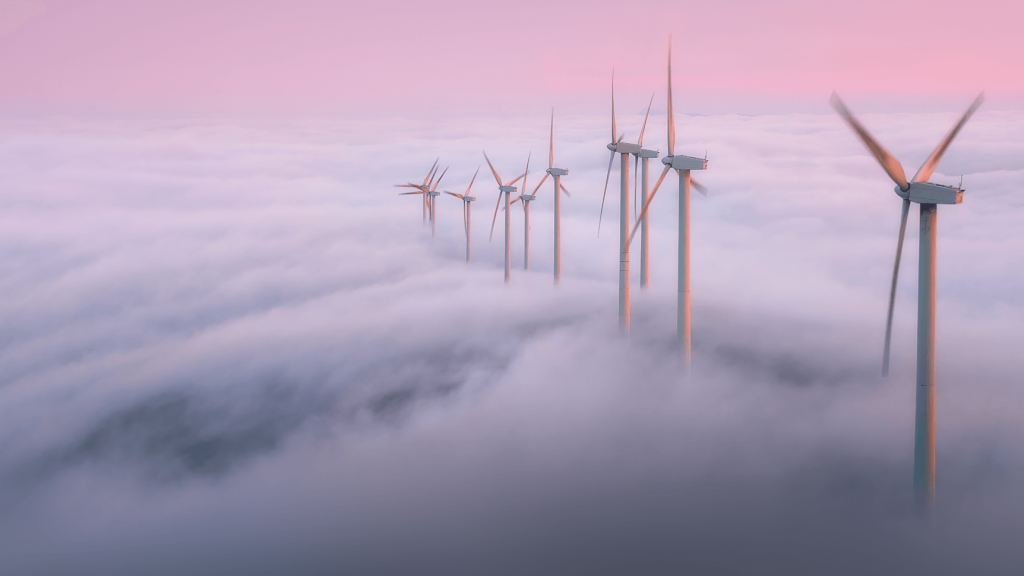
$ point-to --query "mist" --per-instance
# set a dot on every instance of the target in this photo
(230, 347)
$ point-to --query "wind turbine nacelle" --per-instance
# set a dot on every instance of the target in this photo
(508, 189)
(648, 153)
(468, 198)
(557, 171)
(685, 162)
(528, 197)
(929, 193)
(433, 193)
(627, 148)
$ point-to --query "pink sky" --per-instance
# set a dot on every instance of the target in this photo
(307, 55)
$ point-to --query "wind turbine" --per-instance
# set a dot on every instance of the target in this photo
(467, 212)
(624, 149)
(421, 188)
(682, 165)
(644, 155)
(429, 192)
(503, 189)
(929, 196)
(432, 195)
(526, 198)
(556, 174)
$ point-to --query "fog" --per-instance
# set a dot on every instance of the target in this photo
(232, 348)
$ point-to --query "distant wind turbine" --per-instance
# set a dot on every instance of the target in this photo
(644, 155)
(432, 195)
(423, 188)
(526, 198)
(556, 174)
(503, 190)
(467, 212)
(928, 195)
(682, 165)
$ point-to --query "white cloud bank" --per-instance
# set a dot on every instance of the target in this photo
(232, 348)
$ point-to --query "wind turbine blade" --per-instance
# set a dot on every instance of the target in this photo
(408, 193)
(892, 291)
(562, 186)
(889, 163)
(614, 131)
(700, 187)
(551, 147)
(539, 183)
(516, 199)
(671, 117)
(925, 172)
(514, 180)
(459, 196)
(431, 173)
(644, 127)
(658, 183)
(493, 171)
(470, 187)
(439, 179)
(640, 216)
(495, 219)
(528, 154)
(606, 178)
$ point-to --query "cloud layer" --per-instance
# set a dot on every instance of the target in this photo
(232, 348)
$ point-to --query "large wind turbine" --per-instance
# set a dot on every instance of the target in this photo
(929, 196)
(505, 190)
(556, 174)
(682, 165)
(467, 212)
(624, 149)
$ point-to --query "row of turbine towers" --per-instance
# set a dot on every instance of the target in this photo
(428, 192)
(917, 189)
(682, 164)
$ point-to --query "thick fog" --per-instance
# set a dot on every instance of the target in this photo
(233, 348)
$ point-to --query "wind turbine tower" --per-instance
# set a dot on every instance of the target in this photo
(505, 190)
(556, 174)
(624, 149)
(642, 159)
(682, 165)
(929, 196)
(526, 198)
(467, 213)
